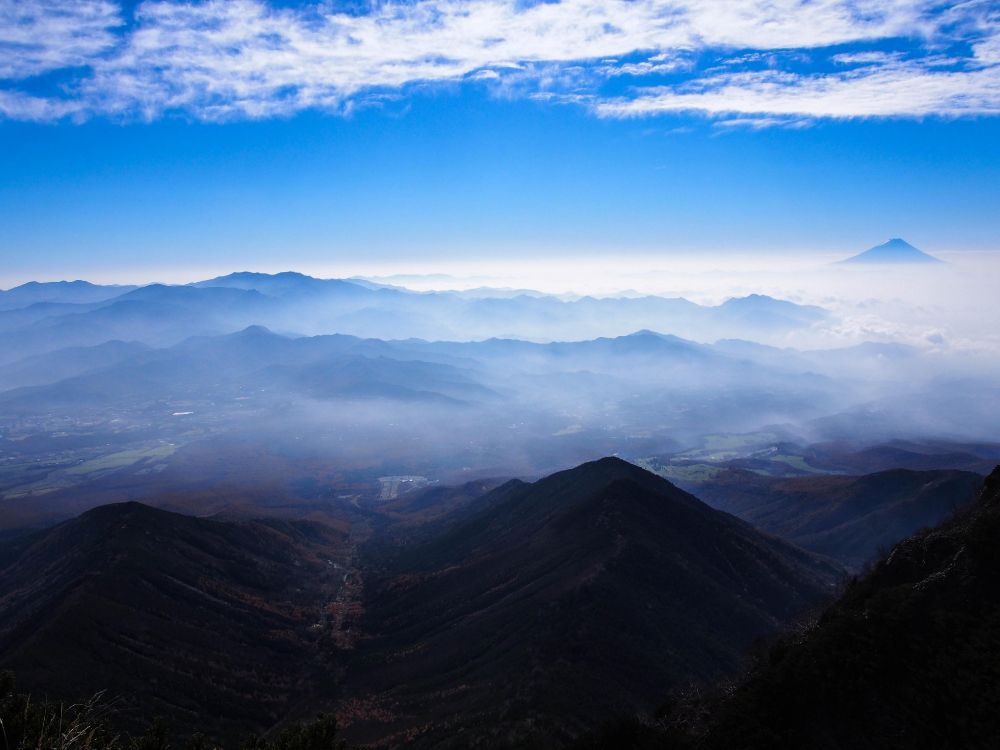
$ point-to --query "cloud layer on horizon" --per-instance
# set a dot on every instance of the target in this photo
(740, 61)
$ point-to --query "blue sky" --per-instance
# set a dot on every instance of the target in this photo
(217, 135)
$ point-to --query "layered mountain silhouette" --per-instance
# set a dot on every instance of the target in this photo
(35, 318)
(337, 366)
(288, 283)
(72, 292)
(51, 367)
(253, 359)
(544, 607)
(896, 250)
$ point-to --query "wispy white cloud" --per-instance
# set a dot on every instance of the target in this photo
(42, 35)
(664, 62)
(20, 106)
(865, 58)
(893, 89)
(225, 59)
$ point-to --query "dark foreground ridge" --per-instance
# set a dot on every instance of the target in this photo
(205, 623)
(552, 605)
(540, 610)
(852, 519)
(909, 657)
(528, 614)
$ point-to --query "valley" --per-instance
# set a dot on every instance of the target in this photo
(445, 606)
(342, 608)
(483, 543)
(499, 375)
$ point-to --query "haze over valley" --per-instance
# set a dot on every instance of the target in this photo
(368, 445)
(109, 389)
(499, 375)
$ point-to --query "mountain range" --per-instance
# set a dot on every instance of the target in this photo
(65, 292)
(79, 426)
(487, 619)
(593, 608)
(37, 318)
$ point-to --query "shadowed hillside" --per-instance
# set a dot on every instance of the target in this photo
(209, 624)
(908, 658)
(546, 606)
(522, 617)
(851, 519)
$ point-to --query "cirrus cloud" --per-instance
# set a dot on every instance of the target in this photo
(44, 35)
(230, 59)
(913, 89)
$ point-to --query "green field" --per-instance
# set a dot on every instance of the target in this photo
(681, 472)
(796, 462)
(121, 459)
(725, 447)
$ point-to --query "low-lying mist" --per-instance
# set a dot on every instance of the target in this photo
(940, 304)
(490, 375)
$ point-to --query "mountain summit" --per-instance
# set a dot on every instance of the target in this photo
(895, 250)
(556, 604)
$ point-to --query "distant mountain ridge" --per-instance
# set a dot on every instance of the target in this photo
(896, 250)
(74, 292)
(509, 407)
(36, 318)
